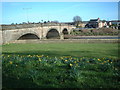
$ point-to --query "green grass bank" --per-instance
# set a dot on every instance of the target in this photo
(64, 49)
(60, 65)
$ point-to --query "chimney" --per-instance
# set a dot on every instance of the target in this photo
(98, 18)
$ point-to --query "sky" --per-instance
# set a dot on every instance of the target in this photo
(18, 12)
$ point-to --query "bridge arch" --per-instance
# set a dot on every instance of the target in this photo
(28, 35)
(53, 34)
(65, 31)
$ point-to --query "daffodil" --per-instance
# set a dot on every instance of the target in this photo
(99, 59)
(40, 60)
(104, 61)
(87, 61)
(10, 62)
(71, 65)
(8, 55)
(75, 62)
(29, 55)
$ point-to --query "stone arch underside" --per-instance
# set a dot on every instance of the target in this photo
(65, 31)
(28, 36)
(53, 34)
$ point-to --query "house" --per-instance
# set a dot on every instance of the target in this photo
(116, 24)
(96, 23)
(93, 23)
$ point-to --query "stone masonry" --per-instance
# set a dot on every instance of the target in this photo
(11, 33)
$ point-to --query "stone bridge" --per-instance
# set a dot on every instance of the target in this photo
(11, 33)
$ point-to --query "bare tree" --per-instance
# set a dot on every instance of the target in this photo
(77, 20)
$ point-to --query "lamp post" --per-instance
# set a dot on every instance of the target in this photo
(27, 13)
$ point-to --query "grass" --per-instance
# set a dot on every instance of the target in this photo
(61, 65)
(64, 49)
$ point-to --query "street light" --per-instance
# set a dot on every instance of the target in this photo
(27, 12)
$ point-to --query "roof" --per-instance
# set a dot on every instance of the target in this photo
(94, 20)
(115, 21)
(85, 22)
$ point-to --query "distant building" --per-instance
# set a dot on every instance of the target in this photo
(82, 24)
(97, 23)
(93, 23)
(115, 24)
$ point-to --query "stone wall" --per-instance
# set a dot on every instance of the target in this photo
(1, 40)
(69, 41)
(20, 26)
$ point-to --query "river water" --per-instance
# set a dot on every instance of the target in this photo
(87, 37)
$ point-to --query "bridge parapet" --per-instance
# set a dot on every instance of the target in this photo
(20, 26)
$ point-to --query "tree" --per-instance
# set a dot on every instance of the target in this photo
(104, 20)
(77, 20)
(42, 21)
(45, 22)
(12, 23)
(55, 21)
